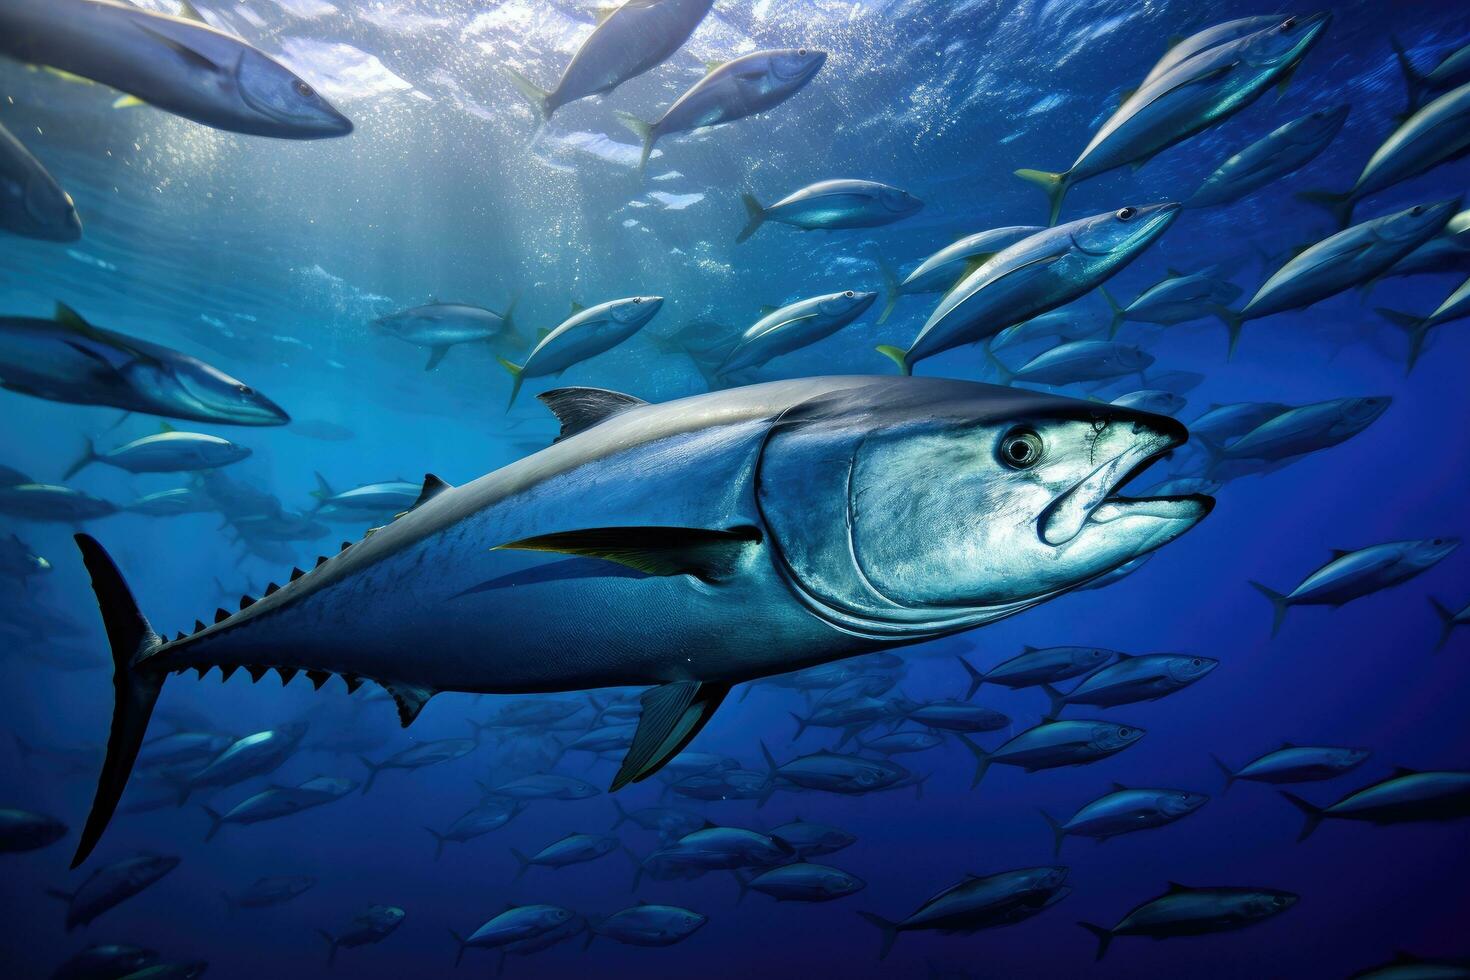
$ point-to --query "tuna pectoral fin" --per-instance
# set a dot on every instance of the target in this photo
(1053, 185)
(579, 409)
(135, 689)
(672, 715)
(436, 354)
(409, 698)
(708, 555)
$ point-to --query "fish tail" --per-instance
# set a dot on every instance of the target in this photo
(1053, 185)
(743, 885)
(331, 946)
(1229, 773)
(622, 815)
(539, 98)
(1104, 937)
(373, 769)
(976, 678)
(1312, 812)
(89, 456)
(892, 289)
(438, 842)
(508, 318)
(323, 490)
(898, 356)
(1417, 327)
(1058, 832)
(982, 758)
(1338, 204)
(801, 724)
(1279, 604)
(637, 869)
(1056, 701)
(887, 928)
(1446, 619)
(459, 954)
(644, 131)
(1413, 80)
(1234, 323)
(1117, 322)
(1003, 374)
(135, 688)
(525, 864)
(755, 216)
(216, 821)
(516, 378)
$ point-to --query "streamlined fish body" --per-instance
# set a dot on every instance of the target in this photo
(1281, 152)
(795, 326)
(832, 205)
(32, 203)
(586, 333)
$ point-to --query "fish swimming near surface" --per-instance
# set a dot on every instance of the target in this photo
(1130, 679)
(1189, 97)
(1446, 253)
(792, 327)
(67, 359)
(1407, 796)
(744, 513)
(440, 326)
(169, 451)
(1037, 274)
(668, 822)
(544, 786)
(1434, 135)
(373, 925)
(1152, 400)
(32, 202)
(1278, 154)
(630, 39)
(1222, 423)
(1354, 574)
(589, 331)
(811, 839)
(18, 562)
(419, 755)
(1185, 911)
(979, 902)
(834, 772)
(1124, 811)
(832, 205)
(1055, 743)
(111, 885)
(180, 65)
(1452, 71)
(750, 84)
(958, 716)
(1056, 327)
(1295, 764)
(1456, 306)
(946, 267)
(1341, 261)
(170, 503)
(183, 748)
(1183, 48)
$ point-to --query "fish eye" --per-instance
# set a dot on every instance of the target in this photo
(1020, 449)
(637, 300)
(1125, 214)
(245, 389)
(801, 52)
(1417, 210)
(1288, 24)
(304, 90)
(1197, 662)
(849, 294)
(1125, 732)
(1278, 900)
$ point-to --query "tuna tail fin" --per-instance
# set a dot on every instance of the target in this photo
(743, 885)
(1229, 773)
(1339, 205)
(1104, 937)
(1117, 322)
(1055, 702)
(135, 689)
(1413, 81)
(1058, 832)
(1053, 185)
(216, 821)
(637, 868)
(323, 490)
(1312, 812)
(976, 678)
(982, 758)
(516, 377)
(89, 456)
(1003, 374)
(1234, 322)
(889, 930)
(755, 216)
(644, 131)
(1446, 619)
(508, 318)
(1279, 604)
(1417, 327)
(525, 864)
(373, 769)
(892, 289)
(438, 842)
(539, 98)
(898, 356)
(459, 955)
(331, 946)
(801, 725)
(622, 815)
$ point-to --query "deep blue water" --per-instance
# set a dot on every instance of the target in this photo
(269, 258)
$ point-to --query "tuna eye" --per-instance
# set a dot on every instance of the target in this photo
(801, 52)
(848, 294)
(1417, 210)
(1197, 662)
(1020, 449)
(245, 389)
(303, 89)
(1125, 732)
(1288, 24)
(1126, 214)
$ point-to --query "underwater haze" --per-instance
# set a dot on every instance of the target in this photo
(662, 624)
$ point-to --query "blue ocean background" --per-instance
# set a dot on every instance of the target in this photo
(271, 259)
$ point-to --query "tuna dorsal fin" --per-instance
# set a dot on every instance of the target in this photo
(1125, 95)
(433, 487)
(1028, 648)
(714, 65)
(1119, 788)
(180, 39)
(1287, 745)
(708, 555)
(165, 427)
(1126, 656)
(409, 698)
(543, 332)
(1174, 886)
(1399, 771)
(603, 13)
(1339, 553)
(190, 12)
(672, 715)
(576, 308)
(72, 320)
(768, 309)
(579, 409)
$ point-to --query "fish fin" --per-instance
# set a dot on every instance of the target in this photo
(1117, 311)
(1058, 832)
(579, 409)
(644, 131)
(1284, 82)
(373, 770)
(410, 699)
(892, 288)
(1234, 323)
(331, 946)
(887, 928)
(176, 38)
(1003, 374)
(188, 11)
(1339, 205)
(708, 555)
(672, 715)
(1413, 80)
(976, 678)
(1174, 886)
(1446, 619)
(1417, 327)
(897, 355)
(1056, 701)
(523, 862)
(127, 102)
(433, 487)
(1312, 813)
(517, 376)
(1053, 185)
(135, 689)
(217, 821)
(982, 758)
(1125, 95)
(539, 98)
(1104, 938)
(755, 216)
(89, 455)
(1279, 603)
(1403, 771)
(1229, 773)
(436, 354)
